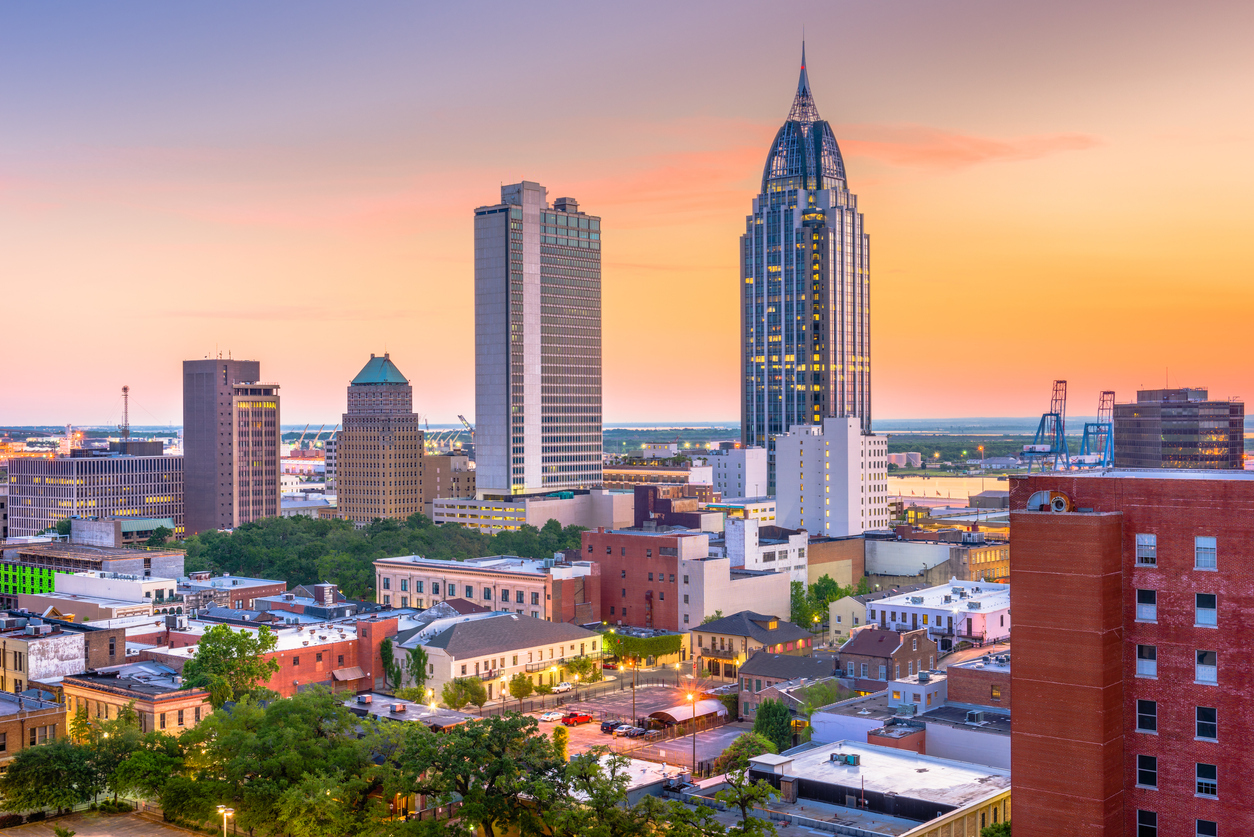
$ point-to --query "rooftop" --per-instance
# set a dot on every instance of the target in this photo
(11, 704)
(757, 626)
(147, 678)
(873, 642)
(79, 550)
(386, 706)
(956, 597)
(495, 634)
(888, 770)
(1148, 474)
(786, 666)
(380, 370)
(226, 582)
(882, 707)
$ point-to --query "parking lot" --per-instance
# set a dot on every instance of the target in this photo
(618, 706)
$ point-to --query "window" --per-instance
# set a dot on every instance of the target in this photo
(162, 720)
(417, 586)
(1147, 550)
(505, 596)
(611, 610)
(113, 646)
(487, 594)
(1147, 771)
(849, 669)
(180, 717)
(196, 714)
(1204, 553)
(672, 581)
(685, 598)
(1147, 605)
(4, 742)
(295, 661)
(405, 584)
(318, 657)
(470, 592)
(387, 583)
(1147, 661)
(650, 576)
(685, 579)
(463, 671)
(685, 619)
(1207, 723)
(661, 596)
(995, 693)
(1207, 780)
(1207, 828)
(535, 598)
(883, 672)
(838, 619)
(757, 685)
(1207, 670)
(1147, 716)
(864, 669)
(910, 668)
(609, 550)
(340, 660)
(435, 588)
(916, 644)
(1146, 822)
(1206, 610)
(518, 596)
(387, 600)
(623, 573)
(404, 601)
(648, 553)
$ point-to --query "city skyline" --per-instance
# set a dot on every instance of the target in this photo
(1013, 164)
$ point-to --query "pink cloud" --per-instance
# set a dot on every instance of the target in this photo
(921, 146)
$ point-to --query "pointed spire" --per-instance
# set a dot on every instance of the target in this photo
(803, 108)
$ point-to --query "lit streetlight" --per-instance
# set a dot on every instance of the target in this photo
(693, 700)
(226, 813)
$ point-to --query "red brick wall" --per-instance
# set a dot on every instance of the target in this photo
(915, 742)
(576, 600)
(1176, 510)
(968, 685)
(1067, 746)
(370, 635)
(649, 604)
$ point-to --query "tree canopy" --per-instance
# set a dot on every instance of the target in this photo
(229, 663)
(303, 550)
(773, 721)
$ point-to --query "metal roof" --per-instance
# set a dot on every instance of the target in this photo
(380, 370)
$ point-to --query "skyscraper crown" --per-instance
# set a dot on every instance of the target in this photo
(804, 154)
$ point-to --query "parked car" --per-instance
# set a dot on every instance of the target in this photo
(625, 729)
(562, 687)
(635, 732)
(610, 664)
(574, 719)
(610, 726)
(549, 717)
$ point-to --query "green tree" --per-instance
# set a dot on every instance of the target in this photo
(318, 806)
(454, 694)
(802, 609)
(159, 536)
(507, 775)
(230, 663)
(713, 617)
(392, 672)
(187, 800)
(55, 775)
(520, 687)
(588, 669)
(596, 804)
(745, 747)
(773, 722)
(641, 648)
(148, 768)
(416, 664)
(744, 794)
(997, 829)
(476, 692)
(826, 590)
(111, 743)
(669, 818)
(561, 742)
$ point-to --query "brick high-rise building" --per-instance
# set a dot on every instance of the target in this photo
(1130, 595)
(379, 450)
(1179, 428)
(230, 444)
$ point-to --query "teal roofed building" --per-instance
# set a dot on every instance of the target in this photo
(380, 370)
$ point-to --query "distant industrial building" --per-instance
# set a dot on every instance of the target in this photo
(230, 444)
(131, 480)
(1179, 428)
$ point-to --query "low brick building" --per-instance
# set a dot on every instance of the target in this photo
(27, 722)
(762, 675)
(984, 681)
(153, 691)
(881, 655)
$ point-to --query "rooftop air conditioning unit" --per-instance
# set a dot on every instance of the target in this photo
(924, 677)
(973, 605)
(853, 759)
(398, 708)
(975, 716)
(916, 600)
(837, 758)
(948, 599)
(365, 699)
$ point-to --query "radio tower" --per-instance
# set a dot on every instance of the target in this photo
(125, 426)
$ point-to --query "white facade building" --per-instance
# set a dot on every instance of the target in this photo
(712, 584)
(330, 450)
(740, 472)
(600, 507)
(832, 479)
(976, 611)
(779, 550)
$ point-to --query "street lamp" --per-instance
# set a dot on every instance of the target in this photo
(576, 688)
(693, 700)
(226, 813)
(676, 675)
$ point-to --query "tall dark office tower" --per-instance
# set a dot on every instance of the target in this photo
(537, 344)
(230, 444)
(1179, 428)
(805, 286)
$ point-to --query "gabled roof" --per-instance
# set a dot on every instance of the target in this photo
(380, 370)
(495, 634)
(787, 666)
(465, 606)
(872, 642)
(755, 626)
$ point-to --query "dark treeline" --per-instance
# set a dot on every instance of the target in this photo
(301, 550)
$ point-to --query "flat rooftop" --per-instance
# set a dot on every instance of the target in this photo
(385, 706)
(1148, 474)
(227, 582)
(902, 772)
(990, 596)
(989, 662)
(79, 550)
(11, 704)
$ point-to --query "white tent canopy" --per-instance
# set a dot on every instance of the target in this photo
(684, 712)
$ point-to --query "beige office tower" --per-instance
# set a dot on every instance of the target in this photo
(230, 444)
(379, 448)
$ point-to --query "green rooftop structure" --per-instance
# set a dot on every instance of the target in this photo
(380, 370)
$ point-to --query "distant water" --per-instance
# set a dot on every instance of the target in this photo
(934, 488)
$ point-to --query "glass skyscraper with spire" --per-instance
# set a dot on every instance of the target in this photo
(805, 286)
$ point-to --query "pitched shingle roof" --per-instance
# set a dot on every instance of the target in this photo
(872, 642)
(787, 666)
(754, 625)
(494, 634)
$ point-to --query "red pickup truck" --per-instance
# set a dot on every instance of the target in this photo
(574, 719)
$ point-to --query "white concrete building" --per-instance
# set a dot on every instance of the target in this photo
(740, 472)
(831, 479)
(752, 546)
(117, 586)
(711, 584)
(599, 507)
(761, 509)
(330, 450)
(973, 611)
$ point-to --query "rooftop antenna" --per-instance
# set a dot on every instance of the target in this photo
(125, 426)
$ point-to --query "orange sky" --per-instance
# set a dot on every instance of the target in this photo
(1053, 191)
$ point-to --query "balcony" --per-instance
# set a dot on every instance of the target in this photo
(719, 653)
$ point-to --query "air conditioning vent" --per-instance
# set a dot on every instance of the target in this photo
(975, 716)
